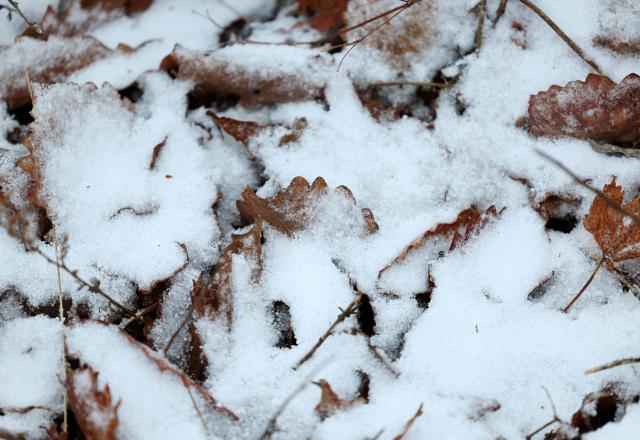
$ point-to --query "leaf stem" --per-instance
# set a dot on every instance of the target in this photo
(575, 298)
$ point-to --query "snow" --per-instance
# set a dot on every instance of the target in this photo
(481, 343)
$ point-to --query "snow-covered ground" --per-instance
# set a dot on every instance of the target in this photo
(129, 137)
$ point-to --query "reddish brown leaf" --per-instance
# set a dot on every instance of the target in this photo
(595, 109)
(212, 293)
(617, 45)
(459, 232)
(242, 131)
(618, 238)
(93, 409)
(597, 410)
(217, 75)
(324, 15)
(409, 424)
(288, 210)
(330, 402)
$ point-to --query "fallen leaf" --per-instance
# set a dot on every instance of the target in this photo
(242, 131)
(450, 235)
(324, 15)
(93, 409)
(595, 109)
(212, 292)
(617, 237)
(330, 402)
(617, 45)
(288, 211)
(46, 62)
(224, 75)
(597, 410)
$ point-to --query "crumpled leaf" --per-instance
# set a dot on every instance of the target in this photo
(212, 292)
(93, 409)
(595, 109)
(451, 235)
(330, 402)
(289, 211)
(324, 15)
(80, 16)
(242, 131)
(617, 237)
(224, 75)
(46, 62)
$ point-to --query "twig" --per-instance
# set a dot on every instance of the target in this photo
(614, 149)
(596, 191)
(33, 25)
(351, 308)
(381, 359)
(434, 85)
(562, 35)
(480, 29)
(64, 341)
(125, 323)
(179, 329)
(409, 423)
(566, 308)
(555, 418)
(272, 425)
(502, 7)
(633, 288)
(613, 364)
(195, 406)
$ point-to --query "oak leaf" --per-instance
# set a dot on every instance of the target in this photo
(93, 409)
(330, 402)
(617, 237)
(597, 109)
(289, 211)
(324, 15)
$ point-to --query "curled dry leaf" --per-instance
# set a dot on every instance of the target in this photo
(242, 131)
(330, 402)
(46, 62)
(324, 15)
(223, 75)
(289, 211)
(212, 292)
(597, 410)
(617, 237)
(596, 109)
(94, 410)
(453, 234)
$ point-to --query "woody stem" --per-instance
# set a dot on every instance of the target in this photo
(575, 298)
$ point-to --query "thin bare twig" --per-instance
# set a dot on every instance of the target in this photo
(572, 44)
(64, 341)
(409, 423)
(555, 418)
(566, 308)
(480, 29)
(613, 364)
(502, 7)
(374, 350)
(351, 308)
(179, 329)
(433, 85)
(32, 24)
(596, 191)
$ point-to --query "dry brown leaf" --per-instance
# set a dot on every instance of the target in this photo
(617, 45)
(617, 237)
(597, 410)
(288, 210)
(330, 402)
(595, 109)
(242, 131)
(212, 293)
(409, 424)
(95, 412)
(324, 15)
(459, 232)
(216, 75)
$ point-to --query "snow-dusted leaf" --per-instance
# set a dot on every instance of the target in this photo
(324, 15)
(292, 208)
(330, 402)
(596, 109)
(94, 409)
(617, 237)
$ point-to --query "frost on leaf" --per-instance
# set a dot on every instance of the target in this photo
(291, 209)
(94, 409)
(617, 237)
(446, 237)
(227, 74)
(212, 292)
(45, 61)
(324, 15)
(595, 109)
(330, 402)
